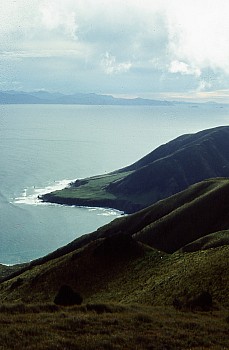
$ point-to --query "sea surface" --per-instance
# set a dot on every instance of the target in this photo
(43, 147)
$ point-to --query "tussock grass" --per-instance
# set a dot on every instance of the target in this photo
(126, 327)
(22, 308)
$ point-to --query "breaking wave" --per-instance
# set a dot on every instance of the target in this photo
(30, 195)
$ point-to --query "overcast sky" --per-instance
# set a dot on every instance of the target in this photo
(163, 49)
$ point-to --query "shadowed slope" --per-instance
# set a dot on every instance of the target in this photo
(173, 167)
(204, 214)
(213, 240)
(145, 276)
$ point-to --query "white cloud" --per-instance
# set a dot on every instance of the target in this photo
(183, 68)
(204, 85)
(148, 39)
(111, 66)
(57, 16)
(199, 32)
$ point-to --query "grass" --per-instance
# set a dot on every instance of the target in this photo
(121, 327)
(94, 188)
(7, 270)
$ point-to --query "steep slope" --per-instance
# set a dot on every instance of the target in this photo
(144, 276)
(167, 170)
(173, 168)
(173, 222)
(168, 225)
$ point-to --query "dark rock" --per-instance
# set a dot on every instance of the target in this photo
(67, 297)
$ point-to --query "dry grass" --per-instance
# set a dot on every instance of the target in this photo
(93, 326)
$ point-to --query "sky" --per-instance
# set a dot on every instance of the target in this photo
(163, 49)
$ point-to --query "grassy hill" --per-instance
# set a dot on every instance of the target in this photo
(150, 243)
(131, 273)
(173, 222)
(167, 170)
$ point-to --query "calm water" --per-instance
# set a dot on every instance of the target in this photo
(44, 147)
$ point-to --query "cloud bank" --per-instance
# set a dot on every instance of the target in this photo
(130, 47)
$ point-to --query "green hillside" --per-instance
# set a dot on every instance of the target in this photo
(173, 222)
(128, 261)
(167, 170)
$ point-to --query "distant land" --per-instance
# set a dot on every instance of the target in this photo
(167, 170)
(45, 97)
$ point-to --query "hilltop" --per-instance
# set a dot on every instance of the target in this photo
(167, 170)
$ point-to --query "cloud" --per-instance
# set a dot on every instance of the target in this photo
(111, 66)
(204, 85)
(162, 44)
(56, 16)
(183, 68)
(198, 33)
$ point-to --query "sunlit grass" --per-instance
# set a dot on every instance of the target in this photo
(94, 188)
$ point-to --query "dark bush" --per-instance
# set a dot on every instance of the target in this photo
(67, 297)
(16, 283)
(177, 304)
(202, 302)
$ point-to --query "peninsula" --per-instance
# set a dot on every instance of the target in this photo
(167, 170)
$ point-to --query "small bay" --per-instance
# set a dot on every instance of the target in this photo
(43, 147)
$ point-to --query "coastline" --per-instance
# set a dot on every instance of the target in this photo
(121, 205)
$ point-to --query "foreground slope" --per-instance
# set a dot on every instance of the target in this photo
(167, 170)
(110, 326)
(128, 261)
(146, 276)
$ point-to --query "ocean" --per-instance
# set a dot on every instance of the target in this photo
(44, 147)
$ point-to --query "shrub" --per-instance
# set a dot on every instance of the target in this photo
(202, 302)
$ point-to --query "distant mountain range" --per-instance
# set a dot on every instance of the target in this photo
(44, 97)
(167, 170)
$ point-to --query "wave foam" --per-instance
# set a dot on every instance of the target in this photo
(30, 195)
